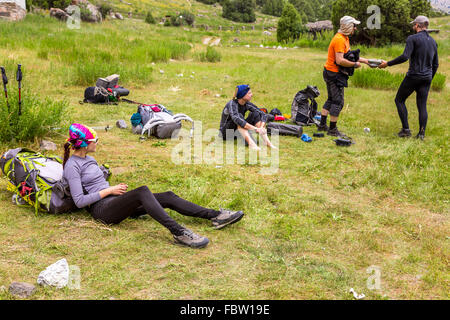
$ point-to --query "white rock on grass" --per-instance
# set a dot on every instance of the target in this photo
(161, 71)
(56, 275)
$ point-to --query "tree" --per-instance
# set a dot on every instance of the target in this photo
(304, 6)
(394, 18)
(239, 10)
(419, 8)
(290, 24)
(273, 7)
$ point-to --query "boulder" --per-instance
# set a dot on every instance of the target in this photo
(48, 146)
(118, 16)
(121, 124)
(12, 11)
(21, 289)
(94, 16)
(59, 14)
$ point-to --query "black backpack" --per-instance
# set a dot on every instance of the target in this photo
(98, 95)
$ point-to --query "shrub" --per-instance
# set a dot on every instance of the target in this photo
(149, 18)
(211, 55)
(38, 117)
(290, 24)
(188, 17)
(105, 9)
(176, 21)
(47, 4)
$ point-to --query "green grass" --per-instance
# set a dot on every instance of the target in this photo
(310, 231)
(383, 79)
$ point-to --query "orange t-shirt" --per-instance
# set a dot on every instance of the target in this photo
(340, 43)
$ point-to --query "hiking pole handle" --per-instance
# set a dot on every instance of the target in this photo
(19, 74)
(4, 77)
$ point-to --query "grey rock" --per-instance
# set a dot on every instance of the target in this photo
(59, 14)
(48, 146)
(22, 289)
(118, 16)
(121, 124)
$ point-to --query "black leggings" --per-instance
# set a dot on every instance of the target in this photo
(140, 201)
(408, 86)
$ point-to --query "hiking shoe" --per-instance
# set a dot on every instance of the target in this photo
(420, 136)
(226, 217)
(335, 132)
(404, 133)
(191, 239)
(322, 127)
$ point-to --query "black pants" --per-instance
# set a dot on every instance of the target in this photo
(253, 118)
(140, 201)
(408, 86)
(335, 101)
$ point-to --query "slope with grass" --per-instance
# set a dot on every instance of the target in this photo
(310, 231)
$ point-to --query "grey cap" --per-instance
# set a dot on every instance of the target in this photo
(421, 20)
(347, 20)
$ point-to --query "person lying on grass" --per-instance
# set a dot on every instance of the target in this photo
(234, 124)
(112, 204)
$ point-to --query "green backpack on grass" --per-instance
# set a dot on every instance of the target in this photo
(36, 180)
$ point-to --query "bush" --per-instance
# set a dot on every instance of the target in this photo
(383, 79)
(176, 21)
(290, 24)
(105, 9)
(47, 4)
(211, 55)
(188, 17)
(149, 18)
(38, 117)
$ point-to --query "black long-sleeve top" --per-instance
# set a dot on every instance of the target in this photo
(234, 112)
(421, 51)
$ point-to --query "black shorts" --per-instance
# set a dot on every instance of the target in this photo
(335, 101)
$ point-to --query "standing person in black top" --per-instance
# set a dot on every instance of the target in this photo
(233, 119)
(421, 50)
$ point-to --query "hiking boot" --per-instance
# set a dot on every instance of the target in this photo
(226, 217)
(420, 136)
(335, 132)
(191, 239)
(322, 127)
(404, 133)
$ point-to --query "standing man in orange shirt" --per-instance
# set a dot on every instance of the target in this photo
(339, 46)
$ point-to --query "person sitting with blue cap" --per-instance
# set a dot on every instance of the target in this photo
(233, 118)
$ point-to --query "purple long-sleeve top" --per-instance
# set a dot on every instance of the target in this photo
(84, 174)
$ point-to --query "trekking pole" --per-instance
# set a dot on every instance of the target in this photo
(5, 82)
(19, 80)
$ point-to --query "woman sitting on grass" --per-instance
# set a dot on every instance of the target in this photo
(112, 204)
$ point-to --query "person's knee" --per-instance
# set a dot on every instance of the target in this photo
(143, 190)
(335, 110)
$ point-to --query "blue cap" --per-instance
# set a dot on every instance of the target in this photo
(242, 90)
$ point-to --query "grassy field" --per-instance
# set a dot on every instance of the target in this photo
(310, 231)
